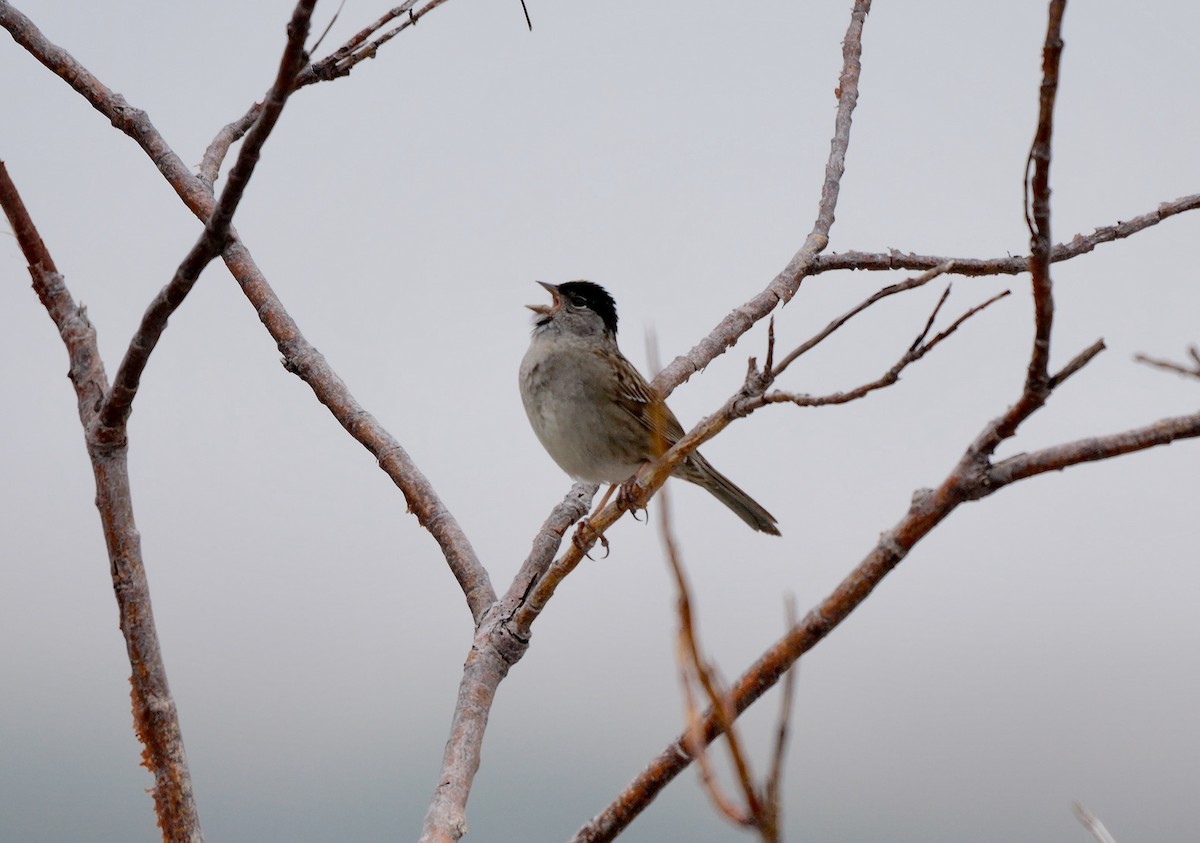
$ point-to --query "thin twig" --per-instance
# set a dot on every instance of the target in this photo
(1076, 363)
(1092, 824)
(879, 295)
(919, 348)
(1191, 370)
(1037, 213)
(316, 44)
(1009, 265)
(693, 667)
(774, 787)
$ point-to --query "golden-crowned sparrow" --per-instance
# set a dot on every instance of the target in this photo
(594, 413)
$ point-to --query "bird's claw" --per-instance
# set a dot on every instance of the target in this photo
(584, 535)
(626, 499)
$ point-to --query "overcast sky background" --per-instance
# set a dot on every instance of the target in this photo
(1039, 647)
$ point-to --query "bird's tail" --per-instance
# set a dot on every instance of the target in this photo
(698, 470)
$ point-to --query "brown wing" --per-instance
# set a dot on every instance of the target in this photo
(636, 397)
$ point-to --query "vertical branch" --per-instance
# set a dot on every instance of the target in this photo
(1037, 206)
(156, 720)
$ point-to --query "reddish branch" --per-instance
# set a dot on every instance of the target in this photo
(1037, 215)
(759, 808)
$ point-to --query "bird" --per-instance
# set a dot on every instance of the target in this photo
(594, 413)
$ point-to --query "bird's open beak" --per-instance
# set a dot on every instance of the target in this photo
(547, 309)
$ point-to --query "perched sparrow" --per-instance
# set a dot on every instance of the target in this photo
(594, 413)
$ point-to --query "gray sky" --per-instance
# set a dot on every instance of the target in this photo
(1040, 647)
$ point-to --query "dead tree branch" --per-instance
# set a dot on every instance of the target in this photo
(500, 641)
(1191, 370)
(759, 808)
(975, 267)
(155, 717)
(919, 348)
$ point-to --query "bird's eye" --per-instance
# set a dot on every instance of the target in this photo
(578, 301)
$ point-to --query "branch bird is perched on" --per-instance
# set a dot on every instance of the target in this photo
(594, 413)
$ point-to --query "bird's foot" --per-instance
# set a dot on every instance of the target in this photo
(627, 499)
(584, 536)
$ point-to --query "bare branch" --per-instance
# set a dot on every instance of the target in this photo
(1037, 213)
(499, 643)
(1038, 383)
(915, 352)
(362, 47)
(217, 230)
(1057, 458)
(785, 284)
(890, 290)
(693, 667)
(1092, 824)
(302, 359)
(975, 267)
(1191, 370)
(1077, 362)
(973, 478)
(155, 717)
(129, 120)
